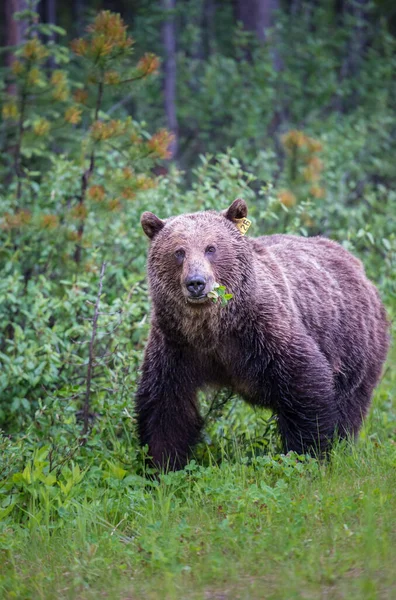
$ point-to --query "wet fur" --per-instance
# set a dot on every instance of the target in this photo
(305, 335)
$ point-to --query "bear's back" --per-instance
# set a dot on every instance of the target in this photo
(329, 293)
(316, 259)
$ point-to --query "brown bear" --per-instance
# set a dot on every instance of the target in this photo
(305, 333)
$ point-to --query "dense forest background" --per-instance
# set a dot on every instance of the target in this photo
(239, 73)
(108, 109)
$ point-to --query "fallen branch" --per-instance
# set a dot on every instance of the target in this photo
(91, 361)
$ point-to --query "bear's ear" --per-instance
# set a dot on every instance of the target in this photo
(151, 224)
(237, 210)
(237, 213)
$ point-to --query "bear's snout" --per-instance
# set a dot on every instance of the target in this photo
(195, 285)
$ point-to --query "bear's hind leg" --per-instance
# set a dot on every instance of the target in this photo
(353, 410)
(303, 434)
(308, 413)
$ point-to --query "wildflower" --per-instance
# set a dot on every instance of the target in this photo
(307, 221)
(10, 111)
(17, 67)
(287, 198)
(111, 78)
(101, 47)
(16, 220)
(79, 47)
(110, 27)
(72, 236)
(79, 212)
(317, 192)
(80, 96)
(313, 169)
(294, 139)
(90, 267)
(315, 164)
(34, 50)
(41, 127)
(160, 142)
(96, 192)
(149, 63)
(102, 130)
(24, 216)
(144, 183)
(135, 138)
(73, 115)
(61, 94)
(314, 145)
(59, 81)
(128, 193)
(114, 204)
(49, 221)
(127, 173)
(34, 77)
(58, 77)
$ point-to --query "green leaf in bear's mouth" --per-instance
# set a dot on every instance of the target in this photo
(219, 293)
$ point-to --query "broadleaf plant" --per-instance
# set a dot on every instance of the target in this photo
(219, 294)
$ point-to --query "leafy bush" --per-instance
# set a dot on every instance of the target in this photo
(73, 298)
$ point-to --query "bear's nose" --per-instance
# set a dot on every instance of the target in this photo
(195, 285)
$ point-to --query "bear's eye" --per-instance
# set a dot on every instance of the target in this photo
(210, 250)
(180, 254)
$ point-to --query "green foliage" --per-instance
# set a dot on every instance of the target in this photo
(321, 68)
(44, 110)
(80, 512)
(65, 213)
(219, 294)
(284, 522)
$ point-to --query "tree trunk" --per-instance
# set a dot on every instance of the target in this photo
(78, 16)
(359, 10)
(355, 46)
(50, 17)
(209, 27)
(169, 41)
(265, 16)
(13, 29)
(246, 13)
(257, 15)
(50, 11)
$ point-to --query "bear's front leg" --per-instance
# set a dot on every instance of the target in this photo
(168, 418)
(308, 412)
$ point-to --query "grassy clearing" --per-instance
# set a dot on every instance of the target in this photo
(267, 527)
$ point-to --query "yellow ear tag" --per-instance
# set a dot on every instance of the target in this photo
(242, 224)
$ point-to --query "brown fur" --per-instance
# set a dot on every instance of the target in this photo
(305, 333)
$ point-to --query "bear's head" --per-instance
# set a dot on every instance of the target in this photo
(190, 253)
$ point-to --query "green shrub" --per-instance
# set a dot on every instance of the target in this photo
(72, 201)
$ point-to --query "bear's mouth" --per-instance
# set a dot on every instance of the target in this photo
(197, 299)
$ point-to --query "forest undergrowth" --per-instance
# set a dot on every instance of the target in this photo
(81, 514)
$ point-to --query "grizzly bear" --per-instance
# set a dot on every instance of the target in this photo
(305, 333)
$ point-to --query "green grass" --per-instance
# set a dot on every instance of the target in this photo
(267, 527)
